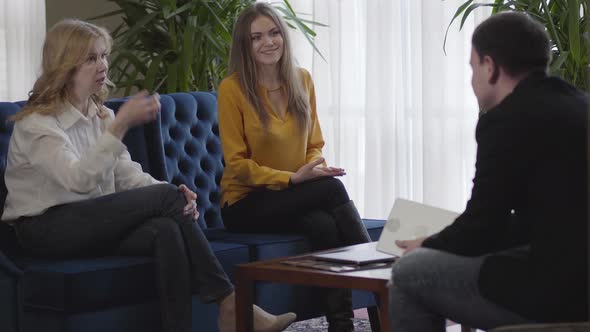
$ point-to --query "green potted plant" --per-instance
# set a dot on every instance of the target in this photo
(568, 27)
(179, 45)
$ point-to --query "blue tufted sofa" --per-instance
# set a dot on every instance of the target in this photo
(119, 293)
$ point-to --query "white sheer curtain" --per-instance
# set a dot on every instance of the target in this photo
(396, 112)
(22, 31)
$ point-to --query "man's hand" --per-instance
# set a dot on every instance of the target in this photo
(409, 245)
(313, 170)
(191, 204)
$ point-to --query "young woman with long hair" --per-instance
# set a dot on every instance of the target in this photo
(275, 178)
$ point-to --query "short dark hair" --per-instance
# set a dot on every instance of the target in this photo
(515, 42)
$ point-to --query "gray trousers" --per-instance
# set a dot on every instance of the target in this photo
(430, 286)
(146, 221)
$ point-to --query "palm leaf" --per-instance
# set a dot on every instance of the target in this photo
(172, 77)
(551, 26)
(168, 14)
(558, 63)
(303, 27)
(187, 53)
(105, 15)
(150, 77)
(574, 29)
(566, 22)
(460, 10)
(172, 46)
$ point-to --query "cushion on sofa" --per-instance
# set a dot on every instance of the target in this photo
(141, 317)
(268, 245)
(77, 285)
(263, 246)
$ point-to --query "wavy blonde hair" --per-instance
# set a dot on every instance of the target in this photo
(66, 47)
(243, 63)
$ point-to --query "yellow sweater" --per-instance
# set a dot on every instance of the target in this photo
(258, 158)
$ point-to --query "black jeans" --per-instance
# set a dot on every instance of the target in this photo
(144, 221)
(305, 208)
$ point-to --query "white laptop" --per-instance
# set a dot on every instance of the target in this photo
(409, 220)
(363, 254)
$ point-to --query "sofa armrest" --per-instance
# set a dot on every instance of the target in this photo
(374, 227)
(10, 298)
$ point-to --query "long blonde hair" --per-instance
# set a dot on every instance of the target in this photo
(66, 47)
(242, 62)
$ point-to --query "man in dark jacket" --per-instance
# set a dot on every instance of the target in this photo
(518, 253)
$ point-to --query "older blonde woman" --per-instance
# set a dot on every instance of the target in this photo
(74, 191)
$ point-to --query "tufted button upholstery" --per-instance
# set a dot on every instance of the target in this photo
(192, 149)
(144, 144)
(183, 147)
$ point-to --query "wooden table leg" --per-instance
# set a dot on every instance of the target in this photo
(244, 290)
(383, 302)
(373, 312)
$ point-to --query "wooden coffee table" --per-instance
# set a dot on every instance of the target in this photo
(374, 280)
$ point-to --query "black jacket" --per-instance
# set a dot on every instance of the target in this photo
(530, 189)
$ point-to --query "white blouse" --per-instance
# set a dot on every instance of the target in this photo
(57, 159)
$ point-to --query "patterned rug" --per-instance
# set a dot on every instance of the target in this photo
(320, 324)
(360, 325)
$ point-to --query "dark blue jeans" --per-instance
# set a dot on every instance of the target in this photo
(146, 221)
(430, 286)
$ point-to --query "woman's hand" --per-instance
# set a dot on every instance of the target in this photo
(139, 109)
(409, 245)
(313, 170)
(191, 199)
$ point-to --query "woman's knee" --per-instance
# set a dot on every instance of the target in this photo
(334, 184)
(153, 233)
(167, 189)
(168, 194)
(334, 188)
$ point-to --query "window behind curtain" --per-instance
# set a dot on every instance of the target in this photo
(22, 31)
(397, 113)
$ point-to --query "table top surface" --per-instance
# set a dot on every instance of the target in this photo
(277, 270)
